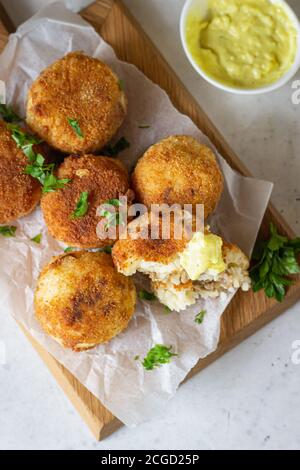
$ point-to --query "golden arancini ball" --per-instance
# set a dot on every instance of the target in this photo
(19, 193)
(76, 104)
(82, 301)
(103, 179)
(178, 170)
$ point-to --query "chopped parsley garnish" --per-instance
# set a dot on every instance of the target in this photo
(75, 126)
(136, 358)
(8, 114)
(51, 183)
(275, 259)
(157, 356)
(200, 316)
(114, 202)
(144, 126)
(81, 206)
(8, 230)
(145, 295)
(112, 218)
(24, 140)
(37, 167)
(37, 239)
(68, 249)
(112, 150)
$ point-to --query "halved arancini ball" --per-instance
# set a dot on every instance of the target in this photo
(178, 170)
(104, 179)
(76, 104)
(82, 301)
(19, 193)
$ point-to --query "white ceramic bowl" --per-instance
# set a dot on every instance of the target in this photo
(203, 6)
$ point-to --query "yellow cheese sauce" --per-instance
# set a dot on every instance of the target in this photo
(242, 43)
(203, 253)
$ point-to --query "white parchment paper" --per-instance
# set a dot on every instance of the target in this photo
(110, 371)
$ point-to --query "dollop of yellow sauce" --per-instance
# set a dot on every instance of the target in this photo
(242, 43)
(203, 254)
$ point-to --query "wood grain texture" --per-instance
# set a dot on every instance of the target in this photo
(247, 312)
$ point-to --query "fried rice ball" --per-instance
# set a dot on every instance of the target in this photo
(19, 193)
(82, 301)
(178, 170)
(103, 178)
(182, 270)
(82, 89)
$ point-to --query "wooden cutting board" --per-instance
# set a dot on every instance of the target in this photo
(247, 312)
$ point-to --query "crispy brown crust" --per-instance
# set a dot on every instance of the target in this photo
(163, 251)
(160, 251)
(81, 300)
(19, 193)
(154, 250)
(178, 170)
(104, 178)
(77, 87)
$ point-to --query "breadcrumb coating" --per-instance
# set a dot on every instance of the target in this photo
(81, 88)
(103, 178)
(19, 193)
(82, 301)
(178, 170)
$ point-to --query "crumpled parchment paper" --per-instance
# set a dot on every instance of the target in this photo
(110, 371)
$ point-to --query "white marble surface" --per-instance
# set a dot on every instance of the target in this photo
(248, 399)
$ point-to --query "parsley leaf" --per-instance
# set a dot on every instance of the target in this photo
(275, 259)
(200, 316)
(114, 202)
(158, 355)
(112, 150)
(51, 183)
(68, 249)
(75, 126)
(21, 137)
(144, 126)
(112, 218)
(145, 295)
(121, 84)
(81, 206)
(8, 114)
(8, 230)
(37, 239)
(37, 168)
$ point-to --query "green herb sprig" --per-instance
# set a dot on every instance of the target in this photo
(81, 206)
(75, 126)
(8, 230)
(37, 239)
(68, 249)
(200, 317)
(275, 259)
(37, 167)
(112, 218)
(157, 356)
(113, 150)
(8, 114)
